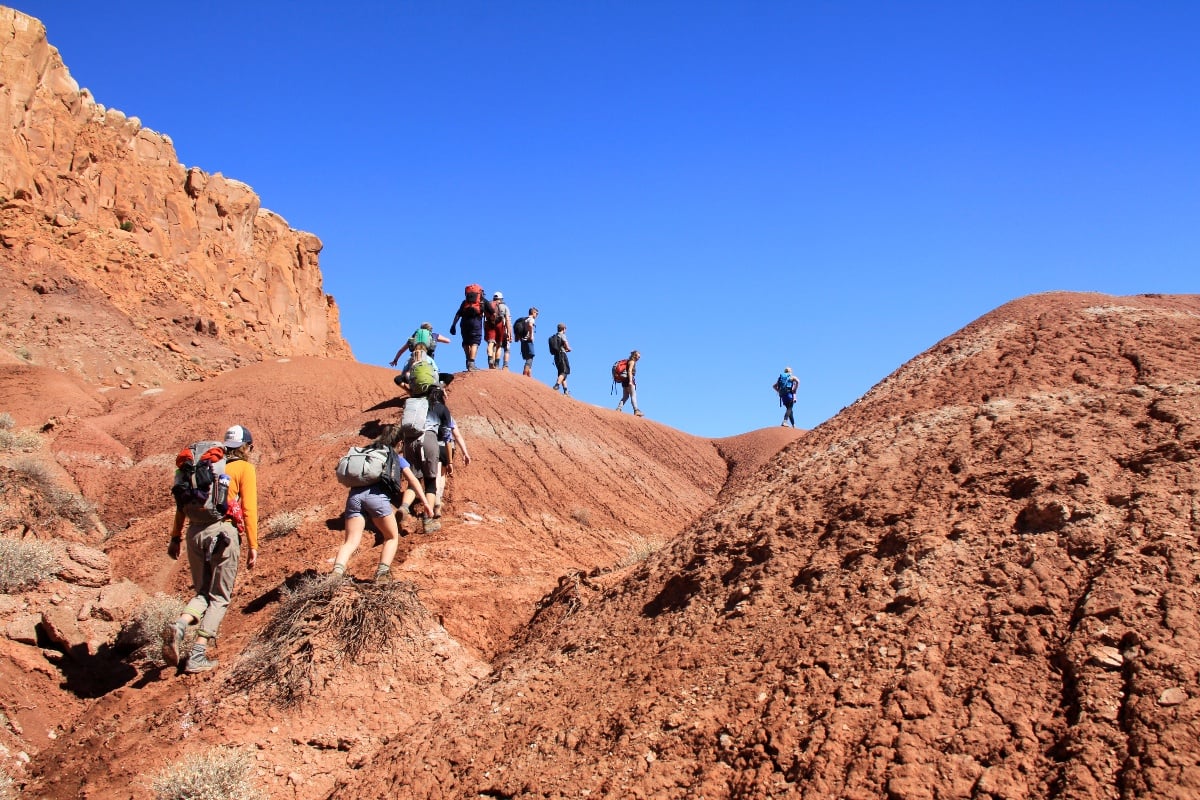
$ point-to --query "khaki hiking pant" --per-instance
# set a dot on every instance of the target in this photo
(213, 552)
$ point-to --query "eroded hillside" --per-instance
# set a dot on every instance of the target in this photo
(977, 581)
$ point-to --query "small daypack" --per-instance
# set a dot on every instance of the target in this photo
(422, 376)
(412, 421)
(392, 477)
(200, 485)
(555, 343)
(520, 328)
(362, 466)
(421, 336)
(472, 305)
(620, 371)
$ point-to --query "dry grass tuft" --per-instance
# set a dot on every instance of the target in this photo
(323, 618)
(26, 562)
(221, 773)
(583, 516)
(284, 523)
(640, 548)
(12, 439)
(8, 789)
(142, 633)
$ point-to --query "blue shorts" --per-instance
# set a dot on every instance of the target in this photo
(527, 350)
(370, 499)
(472, 330)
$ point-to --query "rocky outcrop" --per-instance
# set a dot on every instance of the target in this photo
(90, 199)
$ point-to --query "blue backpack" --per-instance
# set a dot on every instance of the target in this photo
(783, 385)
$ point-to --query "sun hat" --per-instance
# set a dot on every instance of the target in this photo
(237, 436)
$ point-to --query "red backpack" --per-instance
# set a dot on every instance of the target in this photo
(472, 306)
(620, 371)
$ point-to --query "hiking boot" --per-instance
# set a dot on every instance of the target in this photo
(432, 526)
(199, 661)
(383, 575)
(172, 646)
(566, 392)
(638, 414)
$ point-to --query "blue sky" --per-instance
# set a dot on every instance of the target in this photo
(728, 187)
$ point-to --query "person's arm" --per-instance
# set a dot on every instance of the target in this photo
(456, 434)
(176, 543)
(399, 353)
(442, 338)
(454, 322)
(415, 484)
(248, 492)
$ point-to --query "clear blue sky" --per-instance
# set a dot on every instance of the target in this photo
(728, 187)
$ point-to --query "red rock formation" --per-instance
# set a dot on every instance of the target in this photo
(193, 275)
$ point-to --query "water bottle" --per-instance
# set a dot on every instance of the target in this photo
(221, 493)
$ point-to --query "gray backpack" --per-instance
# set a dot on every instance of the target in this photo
(362, 466)
(412, 422)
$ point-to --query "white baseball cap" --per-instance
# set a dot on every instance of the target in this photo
(237, 436)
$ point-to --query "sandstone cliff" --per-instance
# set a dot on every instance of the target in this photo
(189, 275)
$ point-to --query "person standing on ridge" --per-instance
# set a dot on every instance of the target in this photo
(786, 385)
(213, 549)
(523, 331)
(471, 312)
(499, 333)
(559, 349)
(628, 380)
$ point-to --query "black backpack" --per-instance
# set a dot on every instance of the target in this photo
(520, 328)
(555, 343)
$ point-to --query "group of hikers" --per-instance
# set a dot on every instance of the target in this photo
(400, 475)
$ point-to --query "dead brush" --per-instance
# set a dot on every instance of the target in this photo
(142, 634)
(322, 620)
(221, 772)
(26, 562)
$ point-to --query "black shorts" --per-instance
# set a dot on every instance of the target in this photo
(562, 364)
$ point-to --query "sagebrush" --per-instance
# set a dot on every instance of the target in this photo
(12, 439)
(8, 789)
(69, 505)
(640, 548)
(142, 634)
(26, 562)
(284, 523)
(222, 773)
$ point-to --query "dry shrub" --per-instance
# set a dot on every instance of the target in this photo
(640, 548)
(284, 523)
(142, 633)
(318, 617)
(6, 421)
(70, 506)
(583, 516)
(8, 789)
(26, 562)
(222, 773)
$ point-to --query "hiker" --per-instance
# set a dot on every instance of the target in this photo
(559, 349)
(499, 333)
(523, 332)
(450, 441)
(786, 385)
(213, 549)
(626, 375)
(431, 345)
(378, 502)
(422, 450)
(471, 313)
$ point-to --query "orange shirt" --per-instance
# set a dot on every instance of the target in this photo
(243, 483)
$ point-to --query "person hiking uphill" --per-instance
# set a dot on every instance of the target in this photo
(626, 375)
(434, 339)
(424, 452)
(786, 385)
(559, 349)
(213, 549)
(471, 313)
(378, 503)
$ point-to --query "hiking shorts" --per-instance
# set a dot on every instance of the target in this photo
(368, 501)
(489, 332)
(527, 350)
(472, 330)
(562, 364)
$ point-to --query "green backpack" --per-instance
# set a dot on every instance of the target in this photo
(422, 376)
(421, 336)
